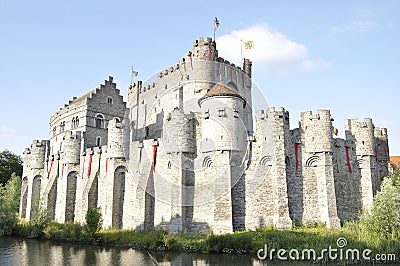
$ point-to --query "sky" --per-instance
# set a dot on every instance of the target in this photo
(308, 55)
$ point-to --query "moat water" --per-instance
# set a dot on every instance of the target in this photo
(21, 251)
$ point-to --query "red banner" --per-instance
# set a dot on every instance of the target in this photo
(90, 165)
(211, 52)
(191, 61)
(348, 160)
(62, 170)
(153, 165)
(106, 165)
(242, 80)
(48, 173)
(296, 152)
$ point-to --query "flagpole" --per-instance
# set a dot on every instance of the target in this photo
(216, 25)
(241, 49)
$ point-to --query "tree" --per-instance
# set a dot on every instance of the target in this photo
(9, 204)
(384, 218)
(9, 163)
(93, 223)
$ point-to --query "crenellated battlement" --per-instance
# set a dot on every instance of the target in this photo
(362, 133)
(271, 113)
(380, 132)
(203, 49)
(317, 130)
(35, 156)
(187, 157)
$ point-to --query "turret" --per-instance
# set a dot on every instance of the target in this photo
(317, 129)
(72, 147)
(117, 139)
(178, 133)
(204, 49)
(272, 125)
(223, 125)
(246, 66)
(36, 155)
(382, 146)
(362, 133)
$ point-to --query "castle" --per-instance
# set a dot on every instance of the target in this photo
(182, 155)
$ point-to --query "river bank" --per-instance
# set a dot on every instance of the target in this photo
(269, 240)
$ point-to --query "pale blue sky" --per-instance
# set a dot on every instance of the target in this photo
(337, 55)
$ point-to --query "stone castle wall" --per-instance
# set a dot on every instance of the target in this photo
(181, 155)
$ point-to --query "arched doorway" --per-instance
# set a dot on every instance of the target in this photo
(93, 193)
(71, 197)
(118, 196)
(52, 200)
(149, 204)
(35, 199)
(24, 196)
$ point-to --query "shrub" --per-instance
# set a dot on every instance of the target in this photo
(9, 205)
(39, 223)
(93, 224)
(384, 218)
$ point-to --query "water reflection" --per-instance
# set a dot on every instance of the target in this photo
(18, 251)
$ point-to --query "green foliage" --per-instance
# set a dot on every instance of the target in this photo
(384, 218)
(12, 193)
(9, 205)
(9, 163)
(228, 243)
(93, 223)
(39, 222)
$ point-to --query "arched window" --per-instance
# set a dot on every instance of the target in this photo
(62, 126)
(117, 119)
(75, 122)
(54, 131)
(99, 121)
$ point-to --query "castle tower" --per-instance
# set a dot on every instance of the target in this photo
(266, 187)
(118, 138)
(362, 134)
(72, 147)
(224, 139)
(33, 172)
(319, 200)
(223, 125)
(382, 152)
(61, 165)
(179, 146)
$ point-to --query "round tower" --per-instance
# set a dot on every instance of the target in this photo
(204, 49)
(38, 153)
(178, 133)
(317, 130)
(382, 146)
(72, 147)
(223, 126)
(363, 135)
(117, 147)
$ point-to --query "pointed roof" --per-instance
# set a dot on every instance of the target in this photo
(221, 89)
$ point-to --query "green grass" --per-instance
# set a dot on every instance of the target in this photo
(312, 237)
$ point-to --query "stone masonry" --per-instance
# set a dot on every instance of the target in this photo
(187, 153)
